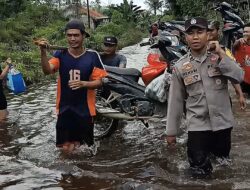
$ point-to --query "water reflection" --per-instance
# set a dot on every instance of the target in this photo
(135, 157)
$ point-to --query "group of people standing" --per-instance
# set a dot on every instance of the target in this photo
(199, 86)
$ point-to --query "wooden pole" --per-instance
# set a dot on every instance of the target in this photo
(248, 10)
(77, 9)
(88, 13)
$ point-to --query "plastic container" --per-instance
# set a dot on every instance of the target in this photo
(15, 81)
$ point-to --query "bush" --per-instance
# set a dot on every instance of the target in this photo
(126, 37)
(17, 34)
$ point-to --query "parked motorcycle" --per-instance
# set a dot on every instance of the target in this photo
(126, 98)
(157, 27)
(233, 24)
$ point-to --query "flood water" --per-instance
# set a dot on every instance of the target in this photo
(134, 157)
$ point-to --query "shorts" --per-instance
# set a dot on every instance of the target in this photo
(3, 102)
(71, 127)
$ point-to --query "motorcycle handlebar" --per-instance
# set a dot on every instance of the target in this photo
(105, 80)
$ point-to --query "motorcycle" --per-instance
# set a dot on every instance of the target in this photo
(156, 28)
(233, 24)
(126, 98)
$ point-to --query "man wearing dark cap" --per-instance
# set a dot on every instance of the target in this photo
(109, 56)
(199, 82)
(80, 72)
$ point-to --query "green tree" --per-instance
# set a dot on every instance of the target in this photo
(154, 5)
(130, 12)
(96, 5)
(10, 7)
(182, 8)
(191, 8)
(108, 10)
(117, 17)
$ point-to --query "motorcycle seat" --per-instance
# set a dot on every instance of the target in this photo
(131, 73)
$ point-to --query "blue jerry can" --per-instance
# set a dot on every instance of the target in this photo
(15, 81)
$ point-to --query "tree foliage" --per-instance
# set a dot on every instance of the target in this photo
(129, 11)
(17, 31)
(188, 8)
(155, 5)
(11, 8)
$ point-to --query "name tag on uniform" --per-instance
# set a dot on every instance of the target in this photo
(214, 71)
(186, 67)
(190, 79)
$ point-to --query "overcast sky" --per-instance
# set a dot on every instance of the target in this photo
(136, 2)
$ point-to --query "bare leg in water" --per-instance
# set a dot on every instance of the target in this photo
(70, 146)
(3, 115)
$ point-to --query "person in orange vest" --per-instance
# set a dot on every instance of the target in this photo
(242, 54)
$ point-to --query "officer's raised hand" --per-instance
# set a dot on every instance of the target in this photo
(215, 47)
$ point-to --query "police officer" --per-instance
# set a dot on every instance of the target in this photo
(199, 84)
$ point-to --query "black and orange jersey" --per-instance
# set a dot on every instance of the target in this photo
(86, 67)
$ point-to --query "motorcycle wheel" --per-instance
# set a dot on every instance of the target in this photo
(104, 126)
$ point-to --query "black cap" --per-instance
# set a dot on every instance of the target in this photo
(76, 24)
(110, 40)
(197, 21)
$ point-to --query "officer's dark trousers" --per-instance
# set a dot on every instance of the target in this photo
(202, 144)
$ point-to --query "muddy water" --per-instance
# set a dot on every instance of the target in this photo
(135, 157)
